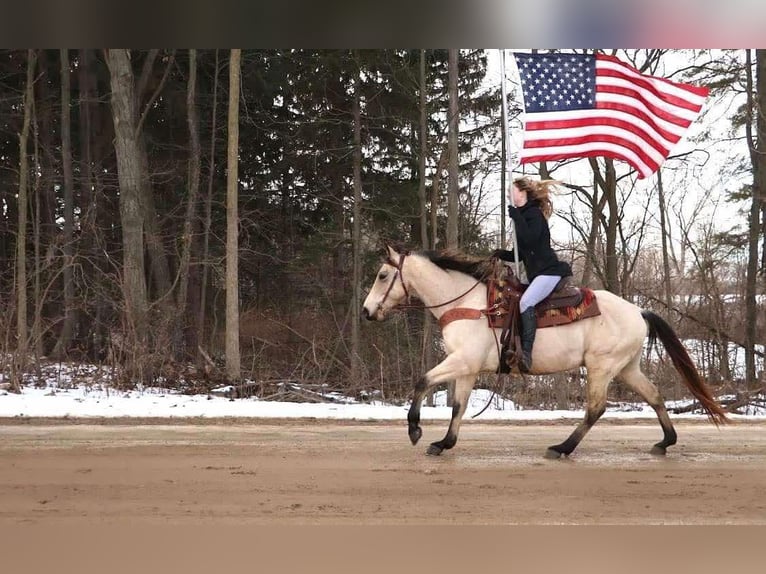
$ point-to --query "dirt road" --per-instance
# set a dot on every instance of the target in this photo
(288, 473)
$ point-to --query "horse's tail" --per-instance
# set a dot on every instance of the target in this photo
(659, 328)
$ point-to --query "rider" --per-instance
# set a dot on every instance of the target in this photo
(530, 209)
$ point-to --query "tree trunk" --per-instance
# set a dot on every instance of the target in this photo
(21, 237)
(590, 249)
(158, 259)
(665, 248)
(130, 178)
(426, 354)
(233, 368)
(757, 143)
(67, 329)
(191, 204)
(356, 300)
(423, 153)
(452, 192)
(612, 227)
(208, 211)
(91, 321)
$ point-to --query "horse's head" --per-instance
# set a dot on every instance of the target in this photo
(389, 290)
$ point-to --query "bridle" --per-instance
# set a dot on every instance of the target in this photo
(398, 273)
(399, 267)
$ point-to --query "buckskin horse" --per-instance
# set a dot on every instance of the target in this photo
(608, 345)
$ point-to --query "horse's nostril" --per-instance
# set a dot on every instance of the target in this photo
(365, 313)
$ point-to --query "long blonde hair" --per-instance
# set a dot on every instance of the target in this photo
(539, 190)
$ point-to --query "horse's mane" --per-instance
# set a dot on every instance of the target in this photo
(479, 268)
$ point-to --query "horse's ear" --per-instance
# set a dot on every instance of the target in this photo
(390, 252)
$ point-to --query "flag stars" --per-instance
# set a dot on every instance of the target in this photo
(557, 82)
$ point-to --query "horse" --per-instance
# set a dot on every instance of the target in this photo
(608, 345)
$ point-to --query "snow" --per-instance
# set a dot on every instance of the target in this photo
(60, 397)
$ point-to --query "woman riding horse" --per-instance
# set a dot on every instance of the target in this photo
(530, 208)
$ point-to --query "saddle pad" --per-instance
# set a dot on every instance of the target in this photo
(573, 304)
(563, 315)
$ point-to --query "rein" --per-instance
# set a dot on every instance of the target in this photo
(458, 313)
(400, 273)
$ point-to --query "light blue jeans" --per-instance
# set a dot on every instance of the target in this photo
(539, 289)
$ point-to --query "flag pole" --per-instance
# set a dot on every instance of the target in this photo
(507, 167)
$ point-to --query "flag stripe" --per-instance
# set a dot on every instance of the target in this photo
(617, 136)
(688, 92)
(646, 101)
(589, 150)
(614, 118)
(580, 105)
(617, 104)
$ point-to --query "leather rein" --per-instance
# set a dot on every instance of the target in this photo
(450, 315)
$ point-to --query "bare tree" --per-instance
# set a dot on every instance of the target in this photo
(21, 236)
(756, 104)
(426, 356)
(208, 209)
(452, 193)
(191, 203)
(233, 368)
(356, 299)
(423, 153)
(130, 177)
(664, 236)
(67, 328)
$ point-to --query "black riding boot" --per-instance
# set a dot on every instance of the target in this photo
(528, 329)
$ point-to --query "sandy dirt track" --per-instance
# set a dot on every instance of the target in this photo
(315, 472)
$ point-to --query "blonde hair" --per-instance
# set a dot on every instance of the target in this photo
(539, 190)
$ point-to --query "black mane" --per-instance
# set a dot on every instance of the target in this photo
(479, 268)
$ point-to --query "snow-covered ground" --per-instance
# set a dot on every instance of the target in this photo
(60, 397)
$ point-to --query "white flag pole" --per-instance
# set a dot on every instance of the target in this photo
(508, 165)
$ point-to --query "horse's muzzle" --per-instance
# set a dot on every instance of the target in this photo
(375, 315)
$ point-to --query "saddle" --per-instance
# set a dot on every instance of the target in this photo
(566, 304)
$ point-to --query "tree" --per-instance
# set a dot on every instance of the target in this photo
(67, 328)
(756, 105)
(454, 184)
(233, 368)
(130, 176)
(191, 202)
(21, 237)
(207, 222)
(356, 238)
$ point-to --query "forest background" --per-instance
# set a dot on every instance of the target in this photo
(129, 178)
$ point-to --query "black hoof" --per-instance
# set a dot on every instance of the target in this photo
(415, 434)
(434, 449)
(658, 450)
(553, 454)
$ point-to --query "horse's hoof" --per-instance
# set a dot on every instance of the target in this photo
(434, 450)
(415, 434)
(552, 454)
(658, 450)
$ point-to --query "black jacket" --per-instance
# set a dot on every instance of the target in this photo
(534, 240)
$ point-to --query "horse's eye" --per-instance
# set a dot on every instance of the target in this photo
(382, 275)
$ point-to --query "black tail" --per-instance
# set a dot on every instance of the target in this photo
(659, 328)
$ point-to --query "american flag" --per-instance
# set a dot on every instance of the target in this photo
(584, 105)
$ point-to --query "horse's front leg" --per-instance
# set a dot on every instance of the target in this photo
(463, 387)
(451, 368)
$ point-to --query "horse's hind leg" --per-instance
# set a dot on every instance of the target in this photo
(598, 383)
(636, 380)
(463, 387)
